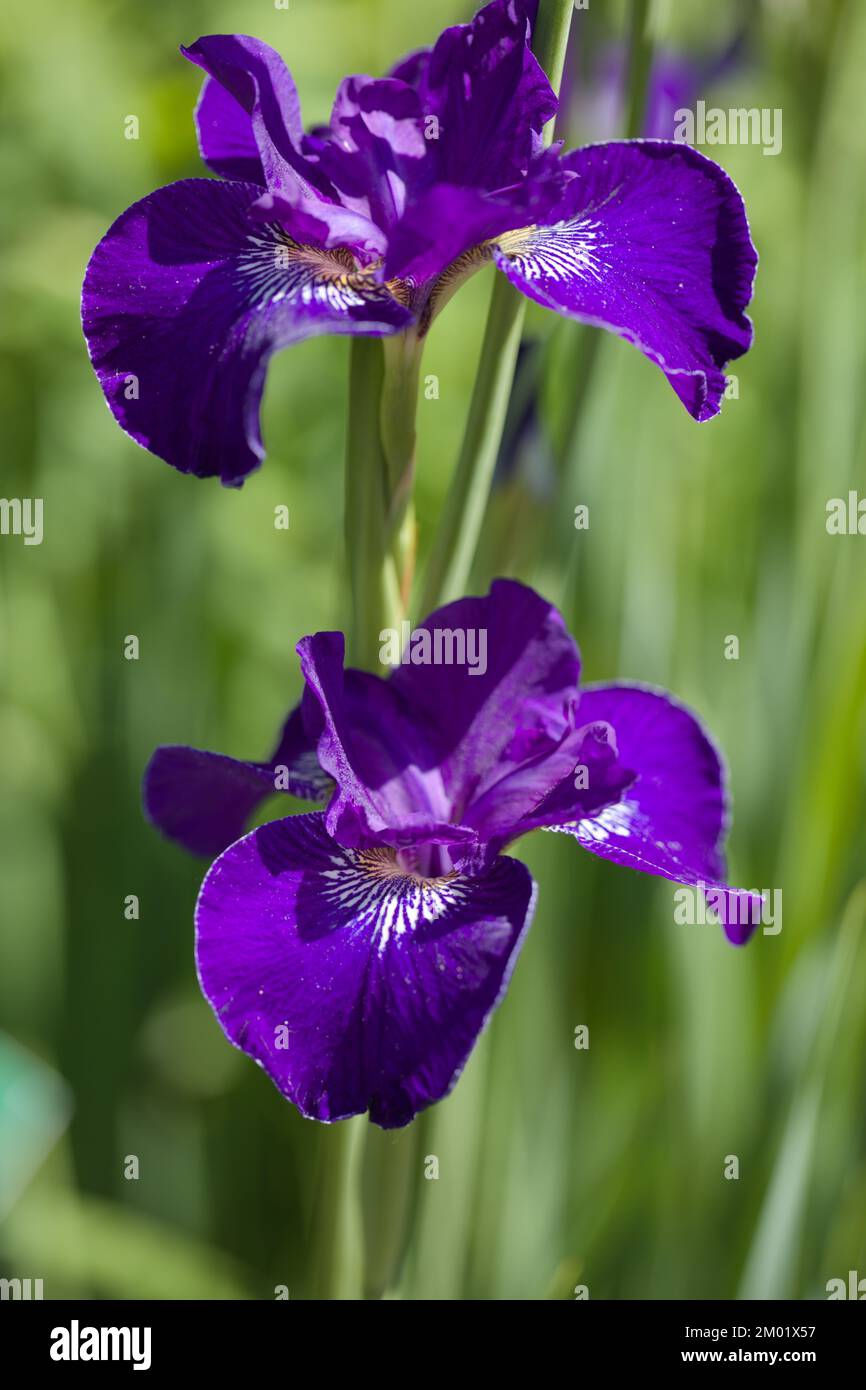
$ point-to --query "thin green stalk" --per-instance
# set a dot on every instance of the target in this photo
(399, 396)
(380, 446)
(463, 515)
(372, 572)
(391, 1159)
(550, 42)
(380, 548)
(380, 534)
(337, 1268)
(372, 582)
(460, 524)
(398, 412)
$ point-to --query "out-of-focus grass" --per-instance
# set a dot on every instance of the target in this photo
(558, 1167)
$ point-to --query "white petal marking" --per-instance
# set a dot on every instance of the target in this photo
(561, 252)
(382, 899)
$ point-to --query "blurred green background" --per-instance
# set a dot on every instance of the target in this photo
(558, 1167)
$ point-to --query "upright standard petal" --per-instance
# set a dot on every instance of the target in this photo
(490, 97)
(257, 80)
(204, 800)
(579, 777)
(355, 986)
(184, 301)
(249, 126)
(673, 817)
(494, 691)
(374, 152)
(389, 787)
(225, 135)
(412, 68)
(650, 240)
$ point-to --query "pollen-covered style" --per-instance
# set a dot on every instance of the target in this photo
(369, 224)
(357, 952)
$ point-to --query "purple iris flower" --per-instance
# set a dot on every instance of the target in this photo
(357, 952)
(369, 225)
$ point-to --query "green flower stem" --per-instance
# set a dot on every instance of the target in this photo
(380, 550)
(462, 517)
(399, 407)
(380, 441)
(380, 452)
(550, 42)
(380, 448)
(384, 405)
(338, 1232)
(391, 1160)
(463, 514)
(372, 573)
(399, 397)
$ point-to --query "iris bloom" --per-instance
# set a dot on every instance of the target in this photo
(369, 224)
(357, 952)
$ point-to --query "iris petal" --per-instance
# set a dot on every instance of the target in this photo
(184, 301)
(249, 118)
(579, 777)
(356, 987)
(650, 240)
(673, 818)
(375, 152)
(449, 230)
(255, 76)
(389, 788)
(204, 800)
(489, 95)
(483, 724)
(225, 135)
